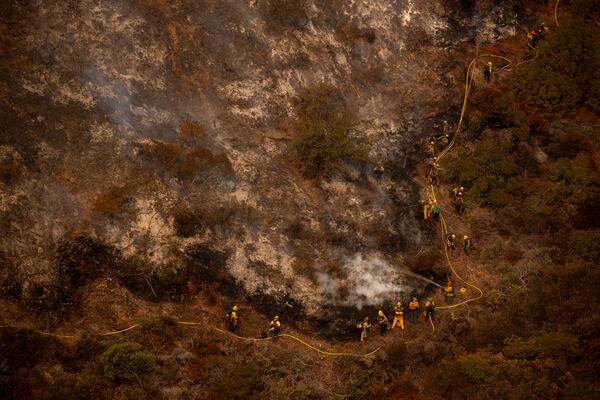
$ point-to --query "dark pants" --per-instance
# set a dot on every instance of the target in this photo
(414, 316)
(430, 314)
(487, 75)
(382, 329)
(231, 326)
(275, 333)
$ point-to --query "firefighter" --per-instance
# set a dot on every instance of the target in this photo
(449, 291)
(487, 71)
(429, 309)
(365, 328)
(458, 202)
(233, 319)
(379, 169)
(456, 190)
(444, 139)
(532, 39)
(434, 173)
(398, 316)
(275, 326)
(466, 244)
(543, 31)
(413, 308)
(431, 147)
(383, 322)
(450, 239)
(428, 209)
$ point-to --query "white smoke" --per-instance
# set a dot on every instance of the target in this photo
(370, 280)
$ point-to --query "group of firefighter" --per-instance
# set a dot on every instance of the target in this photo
(233, 322)
(414, 308)
(430, 209)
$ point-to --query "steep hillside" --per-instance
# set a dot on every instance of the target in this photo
(161, 132)
(163, 161)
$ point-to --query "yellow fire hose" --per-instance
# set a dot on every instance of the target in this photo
(443, 229)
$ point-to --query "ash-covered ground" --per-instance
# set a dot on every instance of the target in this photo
(150, 140)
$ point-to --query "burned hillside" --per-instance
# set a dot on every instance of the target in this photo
(161, 162)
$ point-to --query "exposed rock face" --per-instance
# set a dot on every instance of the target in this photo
(92, 141)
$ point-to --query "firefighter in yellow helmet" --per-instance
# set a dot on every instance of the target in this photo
(429, 309)
(275, 327)
(398, 316)
(365, 328)
(233, 319)
(449, 291)
(383, 322)
(467, 244)
(487, 71)
(428, 208)
(379, 170)
(458, 202)
(456, 190)
(450, 239)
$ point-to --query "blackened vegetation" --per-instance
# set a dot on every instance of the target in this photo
(184, 162)
(283, 15)
(10, 286)
(77, 261)
(20, 351)
(155, 284)
(205, 263)
(81, 260)
(207, 266)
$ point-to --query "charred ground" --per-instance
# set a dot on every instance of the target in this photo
(150, 173)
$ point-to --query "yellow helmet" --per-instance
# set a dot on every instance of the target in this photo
(489, 63)
(461, 188)
(453, 236)
(235, 308)
(398, 303)
(380, 313)
(276, 318)
(465, 237)
(463, 290)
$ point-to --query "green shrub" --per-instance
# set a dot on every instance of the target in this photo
(585, 244)
(547, 344)
(593, 99)
(578, 184)
(324, 146)
(508, 112)
(137, 264)
(159, 324)
(559, 78)
(123, 362)
(486, 171)
(239, 382)
(495, 377)
(357, 378)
